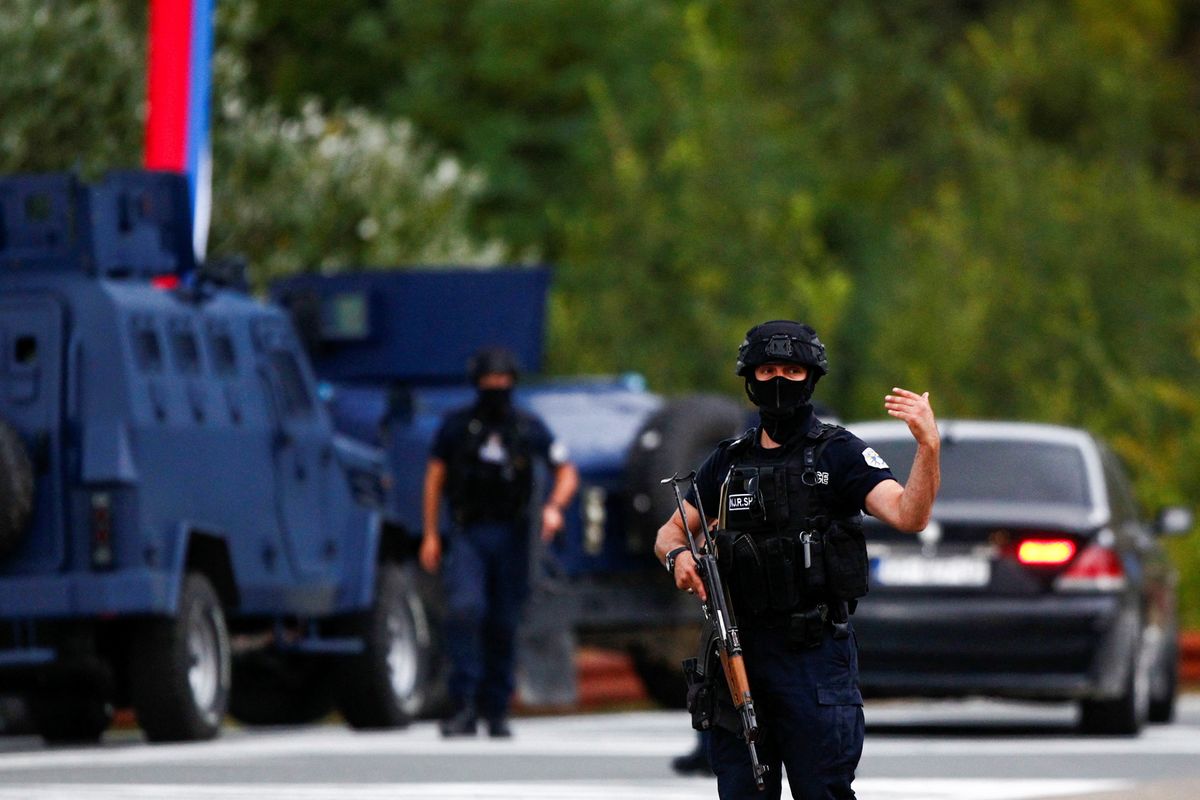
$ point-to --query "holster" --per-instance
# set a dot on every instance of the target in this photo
(708, 698)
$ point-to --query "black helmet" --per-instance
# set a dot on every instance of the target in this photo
(492, 360)
(781, 341)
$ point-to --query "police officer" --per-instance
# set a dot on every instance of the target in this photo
(788, 496)
(482, 462)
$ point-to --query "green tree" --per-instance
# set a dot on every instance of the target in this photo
(72, 85)
(303, 191)
(996, 201)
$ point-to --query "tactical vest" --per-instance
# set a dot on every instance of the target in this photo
(780, 547)
(490, 474)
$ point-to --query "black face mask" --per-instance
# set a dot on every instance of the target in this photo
(494, 403)
(783, 405)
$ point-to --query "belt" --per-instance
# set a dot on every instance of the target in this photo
(782, 619)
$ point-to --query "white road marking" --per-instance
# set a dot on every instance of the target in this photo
(47, 774)
(647, 735)
(866, 789)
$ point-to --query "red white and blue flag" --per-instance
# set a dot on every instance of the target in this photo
(178, 89)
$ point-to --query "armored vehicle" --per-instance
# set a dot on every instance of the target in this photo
(391, 347)
(181, 528)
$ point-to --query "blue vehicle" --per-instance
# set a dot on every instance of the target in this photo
(391, 348)
(182, 527)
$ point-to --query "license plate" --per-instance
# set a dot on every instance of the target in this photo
(920, 571)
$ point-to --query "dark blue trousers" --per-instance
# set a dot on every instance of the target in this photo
(485, 576)
(810, 720)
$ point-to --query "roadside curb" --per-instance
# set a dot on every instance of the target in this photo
(1189, 658)
(607, 678)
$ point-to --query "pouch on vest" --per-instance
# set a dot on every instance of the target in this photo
(846, 564)
(807, 628)
(780, 573)
(752, 592)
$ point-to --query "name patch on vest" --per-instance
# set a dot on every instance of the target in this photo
(740, 502)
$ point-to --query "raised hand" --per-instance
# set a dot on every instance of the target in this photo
(916, 412)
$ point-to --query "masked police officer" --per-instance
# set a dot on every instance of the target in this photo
(483, 463)
(789, 496)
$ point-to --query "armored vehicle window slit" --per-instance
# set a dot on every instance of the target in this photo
(296, 399)
(224, 356)
(148, 350)
(186, 352)
(25, 350)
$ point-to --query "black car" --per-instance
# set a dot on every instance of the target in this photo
(1037, 578)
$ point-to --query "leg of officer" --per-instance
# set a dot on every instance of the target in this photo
(508, 587)
(810, 718)
(730, 761)
(819, 719)
(464, 580)
(728, 754)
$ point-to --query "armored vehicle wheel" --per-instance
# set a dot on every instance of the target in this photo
(180, 668)
(387, 684)
(275, 689)
(16, 489)
(674, 439)
(70, 716)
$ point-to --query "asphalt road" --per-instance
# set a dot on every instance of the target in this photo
(925, 751)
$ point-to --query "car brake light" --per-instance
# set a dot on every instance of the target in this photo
(1096, 568)
(1045, 552)
(166, 282)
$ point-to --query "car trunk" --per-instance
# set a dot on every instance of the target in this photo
(1010, 517)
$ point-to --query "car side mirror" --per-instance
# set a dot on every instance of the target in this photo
(1174, 520)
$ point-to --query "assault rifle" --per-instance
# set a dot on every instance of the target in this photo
(719, 614)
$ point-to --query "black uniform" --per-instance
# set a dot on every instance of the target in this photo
(489, 481)
(793, 557)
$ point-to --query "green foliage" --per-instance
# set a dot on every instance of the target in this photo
(72, 85)
(503, 84)
(338, 191)
(992, 201)
(995, 201)
(309, 190)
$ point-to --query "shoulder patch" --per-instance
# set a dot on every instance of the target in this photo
(873, 459)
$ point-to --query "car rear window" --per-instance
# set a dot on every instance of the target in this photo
(1000, 470)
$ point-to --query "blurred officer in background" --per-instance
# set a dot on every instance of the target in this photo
(788, 496)
(482, 462)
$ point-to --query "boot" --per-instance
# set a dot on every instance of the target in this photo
(693, 763)
(462, 723)
(498, 728)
